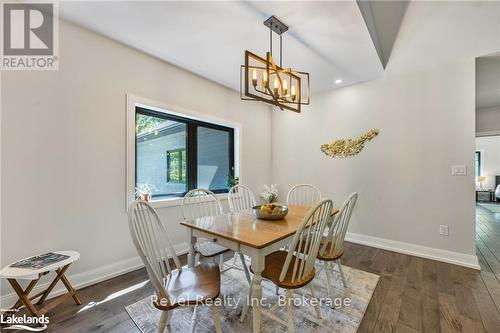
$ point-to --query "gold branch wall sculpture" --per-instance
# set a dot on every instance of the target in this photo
(348, 147)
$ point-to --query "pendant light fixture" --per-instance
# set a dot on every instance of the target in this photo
(261, 79)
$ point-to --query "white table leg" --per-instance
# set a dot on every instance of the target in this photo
(258, 264)
(191, 242)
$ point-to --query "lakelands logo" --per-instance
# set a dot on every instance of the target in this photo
(24, 322)
(29, 36)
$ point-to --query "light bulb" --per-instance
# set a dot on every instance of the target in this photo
(276, 86)
(254, 77)
(285, 87)
(293, 93)
(264, 78)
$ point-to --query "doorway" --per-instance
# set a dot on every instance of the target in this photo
(487, 163)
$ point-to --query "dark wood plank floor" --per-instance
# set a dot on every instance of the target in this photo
(413, 294)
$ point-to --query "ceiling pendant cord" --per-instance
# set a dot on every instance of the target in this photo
(281, 49)
(270, 41)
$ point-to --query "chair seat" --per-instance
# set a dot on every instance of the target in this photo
(192, 285)
(209, 249)
(326, 256)
(274, 264)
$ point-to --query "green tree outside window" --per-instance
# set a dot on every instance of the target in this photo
(176, 166)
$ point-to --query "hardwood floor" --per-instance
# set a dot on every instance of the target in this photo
(413, 294)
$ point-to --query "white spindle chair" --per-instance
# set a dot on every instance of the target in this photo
(196, 285)
(303, 195)
(199, 203)
(240, 198)
(297, 267)
(332, 246)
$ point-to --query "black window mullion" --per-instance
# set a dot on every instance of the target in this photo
(192, 156)
(231, 152)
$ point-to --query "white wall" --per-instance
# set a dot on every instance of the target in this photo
(489, 146)
(488, 121)
(63, 149)
(424, 108)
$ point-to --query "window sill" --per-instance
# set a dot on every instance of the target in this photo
(175, 202)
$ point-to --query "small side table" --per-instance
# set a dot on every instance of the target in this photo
(485, 196)
(13, 274)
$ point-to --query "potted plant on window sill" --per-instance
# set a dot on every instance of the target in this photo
(232, 181)
(143, 191)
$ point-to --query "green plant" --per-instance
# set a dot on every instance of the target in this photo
(232, 181)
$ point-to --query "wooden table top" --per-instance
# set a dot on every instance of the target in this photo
(245, 229)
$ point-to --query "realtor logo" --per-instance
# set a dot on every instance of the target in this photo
(29, 39)
(25, 323)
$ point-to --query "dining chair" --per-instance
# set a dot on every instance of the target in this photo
(303, 195)
(292, 270)
(332, 246)
(199, 203)
(173, 287)
(240, 198)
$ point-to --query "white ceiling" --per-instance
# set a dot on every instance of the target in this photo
(327, 39)
(488, 82)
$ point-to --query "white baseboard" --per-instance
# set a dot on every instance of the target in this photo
(84, 279)
(450, 257)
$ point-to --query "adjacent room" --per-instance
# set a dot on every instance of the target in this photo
(487, 164)
(250, 166)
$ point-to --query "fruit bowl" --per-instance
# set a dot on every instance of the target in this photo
(270, 211)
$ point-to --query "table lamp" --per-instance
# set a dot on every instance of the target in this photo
(481, 179)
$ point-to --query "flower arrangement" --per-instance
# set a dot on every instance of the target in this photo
(144, 191)
(270, 193)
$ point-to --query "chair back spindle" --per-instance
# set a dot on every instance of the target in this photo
(303, 195)
(199, 203)
(240, 198)
(338, 229)
(308, 240)
(152, 244)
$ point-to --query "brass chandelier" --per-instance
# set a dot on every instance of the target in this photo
(263, 80)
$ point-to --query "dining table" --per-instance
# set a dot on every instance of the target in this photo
(242, 232)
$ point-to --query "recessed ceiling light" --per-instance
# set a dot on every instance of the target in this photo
(338, 81)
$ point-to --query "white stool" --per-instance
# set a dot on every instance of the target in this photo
(13, 274)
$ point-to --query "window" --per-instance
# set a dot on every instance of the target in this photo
(175, 154)
(477, 163)
(213, 158)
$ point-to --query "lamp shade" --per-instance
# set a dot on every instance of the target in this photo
(481, 178)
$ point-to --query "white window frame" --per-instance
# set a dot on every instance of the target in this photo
(132, 102)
